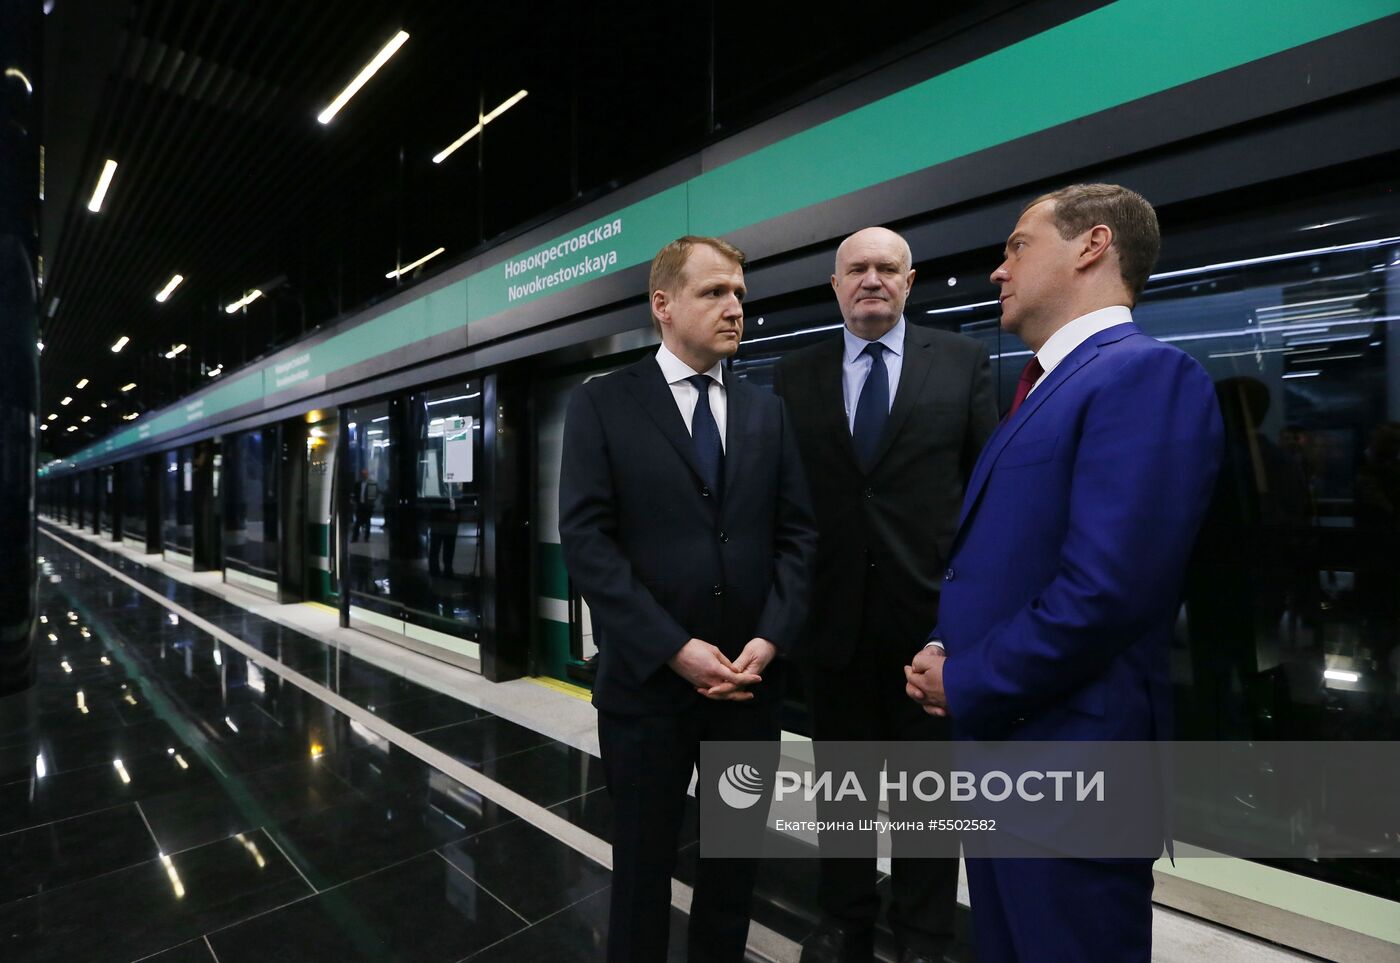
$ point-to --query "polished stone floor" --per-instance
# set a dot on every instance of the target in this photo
(176, 802)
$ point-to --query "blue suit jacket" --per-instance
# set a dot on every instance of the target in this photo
(1065, 573)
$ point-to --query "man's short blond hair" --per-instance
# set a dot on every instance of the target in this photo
(668, 267)
(1126, 213)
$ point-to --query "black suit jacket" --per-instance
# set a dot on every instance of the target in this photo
(659, 557)
(896, 522)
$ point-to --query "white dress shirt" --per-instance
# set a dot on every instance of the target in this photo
(1060, 344)
(855, 366)
(676, 371)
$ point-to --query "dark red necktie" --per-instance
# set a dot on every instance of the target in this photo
(1030, 374)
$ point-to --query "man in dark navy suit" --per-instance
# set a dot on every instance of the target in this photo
(890, 418)
(1066, 570)
(685, 523)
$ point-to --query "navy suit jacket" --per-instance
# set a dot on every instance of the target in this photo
(659, 557)
(1067, 567)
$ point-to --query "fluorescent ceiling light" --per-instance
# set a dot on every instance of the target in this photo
(43, 427)
(102, 404)
(53, 417)
(85, 419)
(366, 72)
(1302, 374)
(962, 307)
(67, 400)
(408, 268)
(794, 334)
(498, 111)
(1271, 258)
(104, 181)
(1340, 220)
(176, 349)
(443, 401)
(506, 105)
(1340, 675)
(446, 152)
(72, 427)
(128, 387)
(243, 302)
(120, 343)
(170, 287)
(82, 383)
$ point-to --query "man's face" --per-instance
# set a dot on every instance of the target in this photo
(1036, 276)
(703, 322)
(872, 281)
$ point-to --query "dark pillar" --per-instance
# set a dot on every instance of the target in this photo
(20, 47)
(152, 479)
(291, 515)
(207, 534)
(507, 586)
(118, 496)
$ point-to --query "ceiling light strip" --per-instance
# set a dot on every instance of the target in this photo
(409, 268)
(362, 78)
(104, 181)
(500, 109)
(170, 287)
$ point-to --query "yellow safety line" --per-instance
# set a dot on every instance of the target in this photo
(568, 688)
(322, 605)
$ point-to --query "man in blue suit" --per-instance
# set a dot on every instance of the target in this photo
(686, 525)
(1065, 574)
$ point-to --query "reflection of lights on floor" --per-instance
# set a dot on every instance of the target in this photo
(85, 633)
(175, 883)
(43, 620)
(131, 698)
(82, 702)
(52, 637)
(218, 657)
(121, 770)
(174, 619)
(41, 769)
(180, 760)
(253, 851)
(106, 661)
(229, 722)
(66, 666)
(317, 750)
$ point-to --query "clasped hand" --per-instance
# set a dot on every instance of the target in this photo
(923, 681)
(715, 677)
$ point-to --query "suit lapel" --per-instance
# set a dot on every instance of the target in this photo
(913, 372)
(654, 396)
(736, 426)
(1008, 429)
(829, 394)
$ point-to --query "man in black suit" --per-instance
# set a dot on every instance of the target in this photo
(685, 524)
(890, 419)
